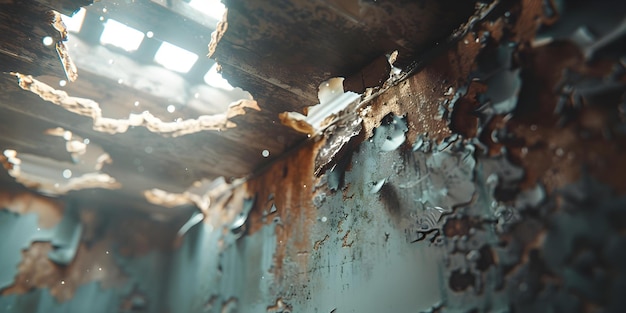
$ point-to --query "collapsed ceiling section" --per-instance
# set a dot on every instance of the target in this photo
(133, 79)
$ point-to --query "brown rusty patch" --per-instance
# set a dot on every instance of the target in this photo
(464, 120)
(420, 96)
(554, 148)
(528, 16)
(459, 226)
(498, 122)
(319, 243)
(339, 224)
(90, 264)
(344, 240)
(292, 182)
(49, 211)
(557, 156)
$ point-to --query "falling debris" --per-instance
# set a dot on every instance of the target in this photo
(195, 218)
(337, 138)
(296, 121)
(378, 185)
(71, 72)
(83, 152)
(57, 23)
(332, 101)
(211, 197)
(90, 108)
(55, 177)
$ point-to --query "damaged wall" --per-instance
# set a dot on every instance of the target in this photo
(490, 181)
(487, 180)
(71, 256)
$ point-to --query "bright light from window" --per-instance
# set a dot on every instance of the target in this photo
(120, 35)
(212, 8)
(214, 79)
(175, 58)
(75, 22)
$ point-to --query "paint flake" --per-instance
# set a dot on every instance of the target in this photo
(90, 108)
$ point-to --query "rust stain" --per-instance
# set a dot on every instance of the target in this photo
(300, 125)
(132, 235)
(344, 240)
(280, 306)
(459, 226)
(420, 96)
(552, 146)
(464, 120)
(530, 15)
(291, 182)
(553, 156)
(49, 211)
(319, 243)
(90, 264)
(339, 229)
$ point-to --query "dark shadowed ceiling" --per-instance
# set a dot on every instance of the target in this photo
(148, 110)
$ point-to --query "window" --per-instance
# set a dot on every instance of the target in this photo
(175, 58)
(120, 35)
(75, 22)
(214, 79)
(212, 8)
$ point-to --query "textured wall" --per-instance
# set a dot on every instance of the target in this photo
(64, 256)
(490, 181)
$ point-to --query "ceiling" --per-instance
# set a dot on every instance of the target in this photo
(197, 129)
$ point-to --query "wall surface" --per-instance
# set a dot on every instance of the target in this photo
(65, 256)
(491, 180)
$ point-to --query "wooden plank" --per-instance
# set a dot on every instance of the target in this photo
(296, 45)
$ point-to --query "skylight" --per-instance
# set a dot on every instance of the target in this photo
(75, 22)
(120, 35)
(212, 8)
(175, 58)
(214, 79)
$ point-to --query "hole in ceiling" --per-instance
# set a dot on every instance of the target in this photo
(75, 22)
(212, 8)
(175, 58)
(121, 36)
(215, 79)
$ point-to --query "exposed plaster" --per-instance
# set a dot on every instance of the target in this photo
(90, 108)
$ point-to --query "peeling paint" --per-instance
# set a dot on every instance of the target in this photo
(211, 197)
(57, 178)
(487, 181)
(90, 108)
(116, 257)
(71, 72)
